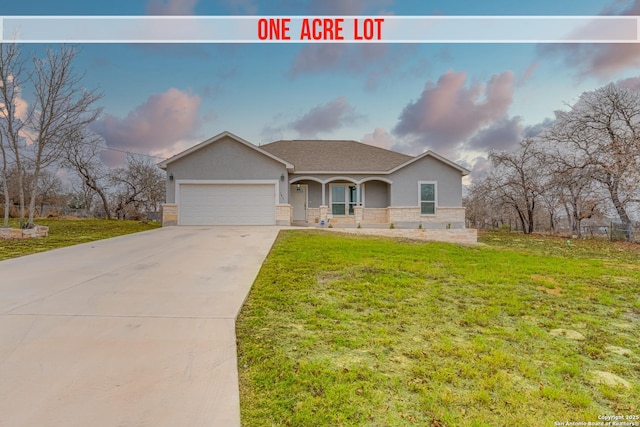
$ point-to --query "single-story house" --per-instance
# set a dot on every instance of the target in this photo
(226, 180)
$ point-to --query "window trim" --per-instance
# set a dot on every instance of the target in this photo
(435, 197)
(347, 202)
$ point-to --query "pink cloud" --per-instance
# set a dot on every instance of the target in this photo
(156, 126)
(171, 7)
(632, 83)
(325, 118)
(449, 111)
(379, 138)
(600, 60)
(527, 74)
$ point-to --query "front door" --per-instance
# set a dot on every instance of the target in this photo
(298, 199)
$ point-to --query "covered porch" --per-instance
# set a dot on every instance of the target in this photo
(340, 200)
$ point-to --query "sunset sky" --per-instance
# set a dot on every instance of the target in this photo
(460, 100)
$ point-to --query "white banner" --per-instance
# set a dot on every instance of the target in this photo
(319, 29)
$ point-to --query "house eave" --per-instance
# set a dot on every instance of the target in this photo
(296, 172)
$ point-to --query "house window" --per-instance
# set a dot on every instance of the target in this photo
(427, 196)
(344, 198)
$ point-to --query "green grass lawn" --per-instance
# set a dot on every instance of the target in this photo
(345, 330)
(67, 232)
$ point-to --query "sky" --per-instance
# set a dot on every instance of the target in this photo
(459, 100)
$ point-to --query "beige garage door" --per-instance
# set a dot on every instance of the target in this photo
(227, 204)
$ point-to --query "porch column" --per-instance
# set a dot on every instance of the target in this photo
(323, 197)
(358, 201)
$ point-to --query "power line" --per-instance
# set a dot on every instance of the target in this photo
(106, 148)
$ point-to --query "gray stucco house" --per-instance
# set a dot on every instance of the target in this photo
(226, 180)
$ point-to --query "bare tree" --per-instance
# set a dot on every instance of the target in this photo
(516, 179)
(140, 184)
(50, 190)
(82, 156)
(61, 109)
(603, 132)
(482, 209)
(12, 73)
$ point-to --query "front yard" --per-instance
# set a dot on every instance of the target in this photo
(67, 232)
(342, 330)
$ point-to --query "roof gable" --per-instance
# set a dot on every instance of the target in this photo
(216, 138)
(436, 156)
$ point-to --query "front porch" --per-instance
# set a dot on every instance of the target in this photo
(347, 202)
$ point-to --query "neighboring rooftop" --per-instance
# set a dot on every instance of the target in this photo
(335, 156)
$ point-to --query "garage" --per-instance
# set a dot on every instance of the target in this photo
(227, 204)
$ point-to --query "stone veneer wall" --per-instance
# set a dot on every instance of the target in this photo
(27, 233)
(313, 215)
(375, 216)
(169, 214)
(284, 214)
(403, 217)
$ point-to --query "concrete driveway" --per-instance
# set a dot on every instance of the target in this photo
(137, 330)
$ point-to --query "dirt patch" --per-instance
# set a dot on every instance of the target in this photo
(567, 333)
(607, 378)
(552, 291)
(328, 277)
(545, 279)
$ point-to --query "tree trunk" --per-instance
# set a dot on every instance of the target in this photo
(7, 202)
(5, 184)
(622, 213)
(34, 193)
(92, 184)
(522, 221)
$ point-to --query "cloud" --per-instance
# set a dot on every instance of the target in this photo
(632, 83)
(527, 74)
(449, 111)
(602, 60)
(534, 130)
(379, 138)
(503, 134)
(481, 166)
(325, 118)
(156, 127)
(171, 7)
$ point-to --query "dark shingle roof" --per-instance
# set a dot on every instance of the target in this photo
(335, 156)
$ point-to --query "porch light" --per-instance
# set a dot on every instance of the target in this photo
(170, 177)
(282, 177)
(298, 187)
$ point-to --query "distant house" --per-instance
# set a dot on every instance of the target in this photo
(226, 180)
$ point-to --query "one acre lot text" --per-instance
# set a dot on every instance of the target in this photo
(320, 29)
